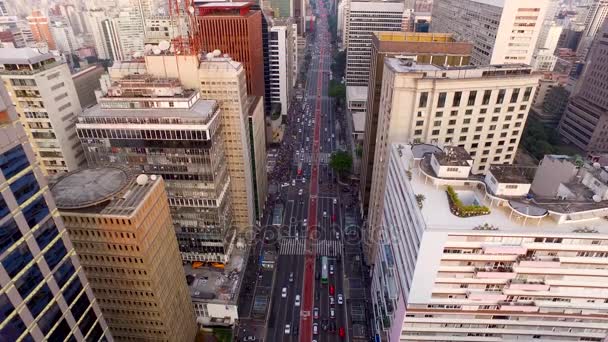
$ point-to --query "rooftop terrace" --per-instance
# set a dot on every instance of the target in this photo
(458, 72)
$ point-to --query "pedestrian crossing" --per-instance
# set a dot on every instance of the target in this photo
(323, 247)
(323, 158)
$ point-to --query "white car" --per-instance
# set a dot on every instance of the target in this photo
(337, 235)
(303, 180)
(331, 269)
(331, 300)
(284, 292)
(300, 192)
(315, 328)
(325, 214)
(340, 299)
(332, 313)
(335, 201)
(315, 313)
(293, 182)
(304, 222)
(287, 329)
(297, 303)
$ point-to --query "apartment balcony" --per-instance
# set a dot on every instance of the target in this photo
(505, 249)
(519, 284)
(495, 273)
(518, 306)
(486, 296)
(539, 262)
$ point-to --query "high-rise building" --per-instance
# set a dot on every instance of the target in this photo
(43, 91)
(585, 121)
(86, 81)
(110, 40)
(64, 37)
(505, 268)
(130, 30)
(235, 29)
(482, 109)
(502, 31)
(45, 295)
(596, 15)
(223, 80)
(424, 48)
(39, 24)
(281, 8)
(175, 134)
(123, 235)
(363, 18)
(159, 28)
(257, 137)
(282, 46)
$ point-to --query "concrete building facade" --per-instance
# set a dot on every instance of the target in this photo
(44, 293)
(282, 63)
(502, 31)
(522, 271)
(86, 81)
(481, 109)
(434, 48)
(122, 232)
(42, 89)
(39, 25)
(363, 18)
(585, 121)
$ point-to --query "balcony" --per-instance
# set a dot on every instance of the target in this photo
(520, 284)
(518, 306)
(503, 272)
(486, 296)
(504, 249)
(534, 262)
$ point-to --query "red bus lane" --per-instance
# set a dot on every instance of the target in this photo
(306, 318)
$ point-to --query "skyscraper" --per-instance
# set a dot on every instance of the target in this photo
(45, 295)
(45, 98)
(235, 29)
(281, 81)
(598, 11)
(584, 123)
(424, 48)
(39, 24)
(123, 235)
(502, 31)
(481, 109)
(363, 18)
(516, 270)
(176, 135)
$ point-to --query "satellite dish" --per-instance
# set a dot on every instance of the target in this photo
(191, 9)
(597, 198)
(164, 45)
(597, 165)
(217, 53)
(142, 179)
(148, 48)
(172, 49)
(209, 55)
(153, 177)
(156, 50)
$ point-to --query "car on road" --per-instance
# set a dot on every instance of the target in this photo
(341, 332)
(284, 185)
(304, 221)
(332, 289)
(295, 331)
(300, 192)
(332, 313)
(291, 274)
(331, 268)
(340, 299)
(293, 182)
(315, 328)
(315, 313)
(335, 201)
(297, 303)
(325, 214)
(303, 180)
(324, 324)
(337, 235)
(249, 338)
(332, 300)
(287, 329)
(332, 327)
(284, 292)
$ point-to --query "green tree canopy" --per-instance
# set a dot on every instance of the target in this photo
(338, 66)
(337, 90)
(341, 161)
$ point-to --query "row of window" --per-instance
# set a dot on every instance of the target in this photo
(472, 97)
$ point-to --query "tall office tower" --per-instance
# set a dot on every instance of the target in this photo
(482, 109)
(257, 137)
(235, 29)
(64, 37)
(598, 11)
(502, 31)
(550, 21)
(103, 34)
(39, 24)
(123, 235)
(176, 135)
(525, 270)
(130, 31)
(159, 28)
(281, 8)
(433, 48)
(299, 15)
(584, 123)
(341, 16)
(363, 18)
(110, 38)
(86, 82)
(42, 89)
(45, 295)
(281, 80)
(223, 80)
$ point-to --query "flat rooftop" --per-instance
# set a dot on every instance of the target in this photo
(358, 121)
(107, 190)
(356, 93)
(458, 72)
(527, 216)
(202, 109)
(24, 55)
(513, 173)
(453, 156)
(211, 284)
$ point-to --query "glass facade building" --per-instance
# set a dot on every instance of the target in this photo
(44, 294)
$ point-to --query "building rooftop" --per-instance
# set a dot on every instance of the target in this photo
(513, 173)
(356, 93)
(107, 190)
(453, 156)
(202, 110)
(24, 55)
(377, 6)
(358, 121)
(525, 214)
(216, 284)
(458, 72)
(210, 62)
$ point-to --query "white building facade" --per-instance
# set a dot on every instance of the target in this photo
(363, 18)
(281, 46)
(502, 31)
(520, 272)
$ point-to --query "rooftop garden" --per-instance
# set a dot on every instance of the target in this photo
(459, 209)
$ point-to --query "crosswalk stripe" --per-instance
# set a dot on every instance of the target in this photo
(323, 247)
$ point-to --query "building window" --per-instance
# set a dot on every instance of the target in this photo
(527, 94)
(17, 260)
(501, 96)
(472, 98)
(418, 132)
(514, 95)
(439, 114)
(46, 233)
(454, 113)
(486, 97)
(9, 234)
(40, 300)
(483, 110)
(424, 96)
(435, 132)
(464, 130)
(13, 161)
(456, 99)
(441, 100)
(28, 281)
(419, 123)
(25, 187)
